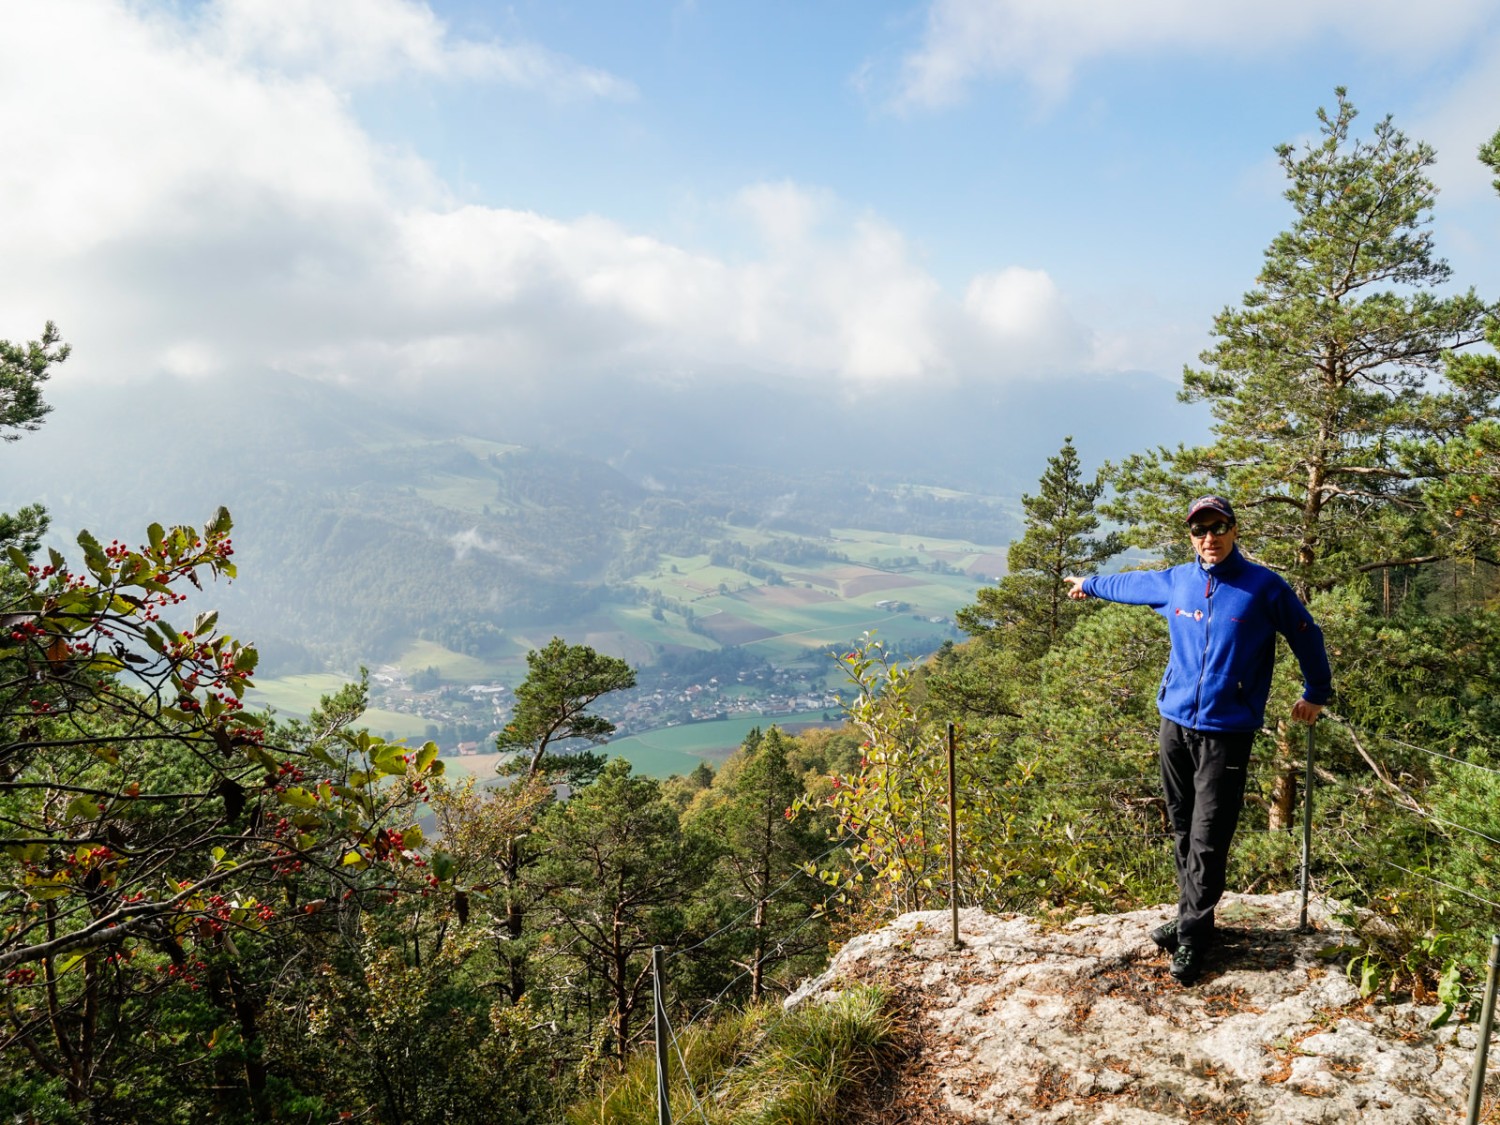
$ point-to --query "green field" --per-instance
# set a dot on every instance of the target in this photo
(818, 608)
(295, 695)
(662, 753)
(454, 667)
(394, 724)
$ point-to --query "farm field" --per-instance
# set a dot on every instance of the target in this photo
(903, 589)
(661, 753)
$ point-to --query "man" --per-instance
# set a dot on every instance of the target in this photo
(1223, 612)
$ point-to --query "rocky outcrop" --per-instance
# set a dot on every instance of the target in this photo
(1081, 1023)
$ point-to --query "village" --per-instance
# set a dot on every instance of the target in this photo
(464, 720)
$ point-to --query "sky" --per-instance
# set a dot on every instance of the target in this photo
(532, 198)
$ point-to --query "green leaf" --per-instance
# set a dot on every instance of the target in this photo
(1369, 978)
(46, 887)
(389, 759)
(82, 808)
(298, 797)
(321, 752)
(26, 853)
(442, 866)
(205, 622)
(155, 535)
(93, 555)
(17, 558)
(413, 837)
(426, 756)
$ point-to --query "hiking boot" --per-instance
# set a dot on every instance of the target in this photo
(1165, 936)
(1187, 962)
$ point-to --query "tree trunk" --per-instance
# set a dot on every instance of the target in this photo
(514, 920)
(622, 992)
(1284, 791)
(255, 1067)
(757, 964)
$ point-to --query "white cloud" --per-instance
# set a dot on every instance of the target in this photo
(465, 542)
(1024, 314)
(1462, 119)
(1044, 43)
(363, 42)
(177, 206)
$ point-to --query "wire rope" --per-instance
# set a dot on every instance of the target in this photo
(1420, 875)
(799, 873)
(1434, 753)
(686, 1076)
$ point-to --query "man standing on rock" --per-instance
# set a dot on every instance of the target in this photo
(1224, 612)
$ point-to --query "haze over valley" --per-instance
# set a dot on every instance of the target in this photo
(725, 542)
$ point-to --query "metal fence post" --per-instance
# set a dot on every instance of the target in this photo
(663, 1109)
(953, 835)
(1486, 1019)
(1307, 813)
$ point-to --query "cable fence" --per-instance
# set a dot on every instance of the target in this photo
(1353, 848)
(1342, 854)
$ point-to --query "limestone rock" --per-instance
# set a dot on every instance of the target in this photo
(1082, 1023)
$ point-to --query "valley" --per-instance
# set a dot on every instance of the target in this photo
(719, 648)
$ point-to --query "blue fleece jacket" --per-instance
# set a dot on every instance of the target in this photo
(1223, 621)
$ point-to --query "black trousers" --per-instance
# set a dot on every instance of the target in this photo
(1203, 775)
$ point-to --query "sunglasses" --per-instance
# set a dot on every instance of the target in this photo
(1199, 530)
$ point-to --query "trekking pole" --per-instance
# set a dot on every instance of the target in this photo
(1307, 811)
(1482, 1049)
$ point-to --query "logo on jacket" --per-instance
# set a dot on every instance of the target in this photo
(1196, 615)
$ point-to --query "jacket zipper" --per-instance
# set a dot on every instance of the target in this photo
(1208, 620)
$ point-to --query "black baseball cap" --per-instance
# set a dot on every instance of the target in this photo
(1211, 504)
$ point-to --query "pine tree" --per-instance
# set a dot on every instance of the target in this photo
(1028, 611)
(1318, 381)
(763, 849)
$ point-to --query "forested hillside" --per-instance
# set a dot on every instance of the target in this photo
(211, 914)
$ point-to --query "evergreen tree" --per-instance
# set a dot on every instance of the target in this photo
(562, 682)
(1327, 436)
(1318, 381)
(23, 370)
(763, 850)
(614, 877)
(1018, 620)
(1029, 610)
(552, 707)
(1463, 473)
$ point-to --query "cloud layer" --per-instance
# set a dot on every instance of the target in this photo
(966, 41)
(196, 195)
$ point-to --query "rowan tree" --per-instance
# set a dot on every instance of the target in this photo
(149, 819)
